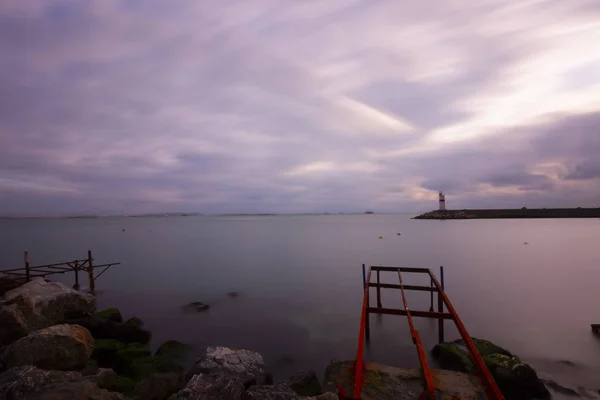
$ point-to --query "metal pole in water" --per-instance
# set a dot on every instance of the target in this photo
(364, 277)
(378, 291)
(27, 271)
(441, 309)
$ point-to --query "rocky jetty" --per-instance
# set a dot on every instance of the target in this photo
(446, 214)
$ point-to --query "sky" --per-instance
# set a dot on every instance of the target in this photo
(221, 106)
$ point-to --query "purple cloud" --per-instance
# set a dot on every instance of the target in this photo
(114, 107)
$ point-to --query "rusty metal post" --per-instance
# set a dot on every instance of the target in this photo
(90, 271)
(431, 295)
(368, 318)
(27, 271)
(364, 277)
(378, 291)
(441, 309)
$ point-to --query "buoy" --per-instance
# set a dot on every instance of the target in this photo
(380, 237)
(399, 234)
(525, 243)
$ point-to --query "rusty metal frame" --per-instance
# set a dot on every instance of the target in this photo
(492, 390)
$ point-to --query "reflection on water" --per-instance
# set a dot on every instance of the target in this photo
(299, 281)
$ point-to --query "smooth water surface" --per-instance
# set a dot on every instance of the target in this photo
(300, 282)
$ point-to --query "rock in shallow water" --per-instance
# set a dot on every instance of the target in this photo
(196, 306)
(30, 383)
(516, 380)
(39, 304)
(60, 347)
(244, 364)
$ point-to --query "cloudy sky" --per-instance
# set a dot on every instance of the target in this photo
(124, 106)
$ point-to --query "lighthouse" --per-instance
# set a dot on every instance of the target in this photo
(442, 201)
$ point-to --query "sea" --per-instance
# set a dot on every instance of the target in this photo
(529, 285)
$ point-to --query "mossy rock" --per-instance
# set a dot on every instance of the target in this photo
(486, 348)
(116, 383)
(451, 356)
(135, 321)
(111, 314)
(172, 348)
(143, 367)
(105, 351)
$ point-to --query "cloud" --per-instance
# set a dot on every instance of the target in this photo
(113, 106)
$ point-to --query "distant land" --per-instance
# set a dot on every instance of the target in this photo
(513, 213)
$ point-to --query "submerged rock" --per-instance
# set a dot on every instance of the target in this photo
(305, 383)
(39, 304)
(515, 379)
(234, 363)
(212, 387)
(560, 388)
(59, 347)
(196, 306)
(102, 328)
(30, 383)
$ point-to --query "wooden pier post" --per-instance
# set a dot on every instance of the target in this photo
(378, 291)
(27, 270)
(90, 271)
(76, 270)
(441, 309)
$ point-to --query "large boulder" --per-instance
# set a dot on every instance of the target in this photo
(212, 387)
(59, 347)
(305, 383)
(39, 304)
(223, 361)
(30, 383)
(112, 314)
(516, 380)
(103, 328)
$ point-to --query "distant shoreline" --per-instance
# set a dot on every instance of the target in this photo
(512, 213)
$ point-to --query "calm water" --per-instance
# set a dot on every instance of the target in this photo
(299, 279)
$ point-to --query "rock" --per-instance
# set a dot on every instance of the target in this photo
(60, 347)
(561, 389)
(105, 351)
(233, 294)
(39, 304)
(135, 321)
(106, 329)
(158, 386)
(30, 383)
(91, 367)
(223, 361)
(102, 376)
(515, 379)
(305, 383)
(272, 392)
(212, 387)
(111, 314)
(196, 306)
(172, 348)
(327, 396)
(116, 383)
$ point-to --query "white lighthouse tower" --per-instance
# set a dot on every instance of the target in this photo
(442, 201)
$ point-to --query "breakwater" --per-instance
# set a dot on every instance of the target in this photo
(513, 213)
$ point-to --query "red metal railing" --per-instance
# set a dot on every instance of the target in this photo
(492, 390)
